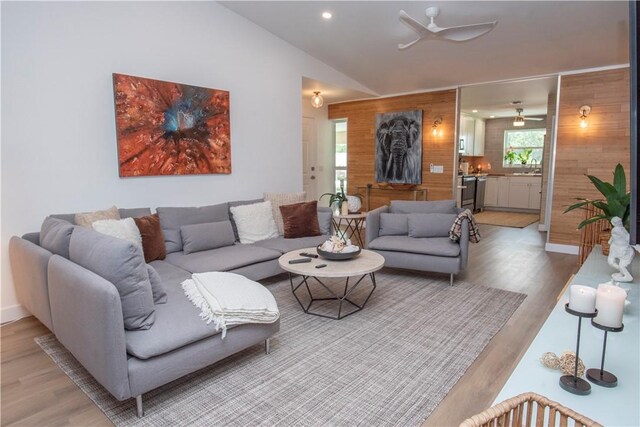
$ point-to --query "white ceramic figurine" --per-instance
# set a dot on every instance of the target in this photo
(620, 250)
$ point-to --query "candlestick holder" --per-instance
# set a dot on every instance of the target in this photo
(572, 383)
(600, 376)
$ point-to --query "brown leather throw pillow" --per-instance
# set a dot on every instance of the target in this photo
(152, 237)
(300, 220)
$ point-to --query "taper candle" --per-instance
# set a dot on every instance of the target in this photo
(582, 299)
(610, 304)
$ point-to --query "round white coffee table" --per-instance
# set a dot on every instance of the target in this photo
(364, 265)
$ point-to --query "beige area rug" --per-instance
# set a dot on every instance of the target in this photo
(506, 219)
(390, 364)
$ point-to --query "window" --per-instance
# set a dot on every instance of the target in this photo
(523, 147)
(340, 137)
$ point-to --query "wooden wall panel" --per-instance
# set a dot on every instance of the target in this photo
(595, 150)
(439, 150)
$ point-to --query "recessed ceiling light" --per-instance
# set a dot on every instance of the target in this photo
(474, 111)
(326, 15)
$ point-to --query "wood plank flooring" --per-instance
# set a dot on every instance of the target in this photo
(35, 392)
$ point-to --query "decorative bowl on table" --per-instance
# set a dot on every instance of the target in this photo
(338, 256)
(336, 249)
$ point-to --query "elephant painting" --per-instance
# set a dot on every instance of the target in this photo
(399, 147)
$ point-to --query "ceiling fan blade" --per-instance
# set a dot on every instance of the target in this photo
(412, 23)
(466, 32)
(407, 45)
(535, 119)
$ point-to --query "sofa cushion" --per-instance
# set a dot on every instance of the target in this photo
(222, 259)
(393, 224)
(177, 324)
(124, 213)
(88, 218)
(325, 217)
(211, 235)
(430, 225)
(157, 288)
(121, 263)
(121, 228)
(438, 246)
(152, 238)
(55, 235)
(240, 203)
(286, 245)
(171, 219)
(433, 206)
(300, 220)
(281, 199)
(255, 222)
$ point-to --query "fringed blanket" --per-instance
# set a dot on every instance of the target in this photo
(230, 299)
(456, 228)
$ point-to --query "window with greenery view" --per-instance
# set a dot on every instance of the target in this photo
(523, 147)
(340, 136)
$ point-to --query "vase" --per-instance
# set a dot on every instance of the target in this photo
(354, 204)
(344, 208)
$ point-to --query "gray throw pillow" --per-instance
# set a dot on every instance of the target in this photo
(393, 224)
(171, 219)
(430, 225)
(211, 235)
(432, 206)
(55, 235)
(157, 288)
(122, 263)
(325, 215)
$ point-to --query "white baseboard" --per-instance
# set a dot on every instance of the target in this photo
(543, 227)
(13, 312)
(563, 249)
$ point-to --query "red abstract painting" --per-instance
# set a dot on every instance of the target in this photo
(166, 128)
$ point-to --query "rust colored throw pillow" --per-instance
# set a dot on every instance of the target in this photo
(152, 237)
(300, 220)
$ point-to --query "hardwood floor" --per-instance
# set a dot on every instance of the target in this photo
(34, 391)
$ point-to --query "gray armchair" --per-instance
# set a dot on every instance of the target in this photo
(415, 236)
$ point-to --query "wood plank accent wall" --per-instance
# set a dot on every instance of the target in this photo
(595, 150)
(439, 150)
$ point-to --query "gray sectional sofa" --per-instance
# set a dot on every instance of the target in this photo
(415, 235)
(85, 311)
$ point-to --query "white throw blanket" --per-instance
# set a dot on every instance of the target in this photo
(230, 299)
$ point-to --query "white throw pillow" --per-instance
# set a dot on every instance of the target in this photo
(254, 222)
(125, 229)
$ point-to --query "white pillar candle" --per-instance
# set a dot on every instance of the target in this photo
(582, 299)
(610, 305)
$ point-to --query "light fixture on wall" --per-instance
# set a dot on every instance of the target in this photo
(316, 100)
(585, 110)
(434, 129)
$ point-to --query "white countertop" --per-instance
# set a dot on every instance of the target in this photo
(619, 406)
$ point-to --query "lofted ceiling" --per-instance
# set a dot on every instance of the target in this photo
(532, 38)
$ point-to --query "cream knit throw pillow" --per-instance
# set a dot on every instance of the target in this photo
(86, 219)
(280, 199)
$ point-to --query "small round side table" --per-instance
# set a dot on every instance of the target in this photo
(353, 227)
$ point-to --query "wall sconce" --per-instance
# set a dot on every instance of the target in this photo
(434, 129)
(316, 100)
(585, 110)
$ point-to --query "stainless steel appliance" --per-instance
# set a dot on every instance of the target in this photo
(481, 182)
(468, 192)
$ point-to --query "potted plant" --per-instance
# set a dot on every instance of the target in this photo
(510, 156)
(525, 156)
(616, 201)
(339, 198)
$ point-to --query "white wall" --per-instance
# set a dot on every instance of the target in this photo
(58, 133)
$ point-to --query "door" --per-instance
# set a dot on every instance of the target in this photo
(491, 192)
(503, 191)
(309, 158)
(519, 194)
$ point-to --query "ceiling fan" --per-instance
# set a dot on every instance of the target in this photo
(519, 119)
(459, 33)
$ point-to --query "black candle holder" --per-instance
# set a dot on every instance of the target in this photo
(600, 376)
(572, 383)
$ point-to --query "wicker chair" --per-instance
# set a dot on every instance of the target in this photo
(528, 409)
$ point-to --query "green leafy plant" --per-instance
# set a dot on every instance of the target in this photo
(339, 196)
(510, 156)
(616, 202)
(525, 155)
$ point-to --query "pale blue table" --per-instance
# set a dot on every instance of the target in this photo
(619, 406)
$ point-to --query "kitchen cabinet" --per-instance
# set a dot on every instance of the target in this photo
(472, 133)
(518, 192)
(491, 191)
(478, 137)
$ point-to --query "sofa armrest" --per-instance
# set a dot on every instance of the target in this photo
(29, 269)
(464, 244)
(372, 227)
(87, 313)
